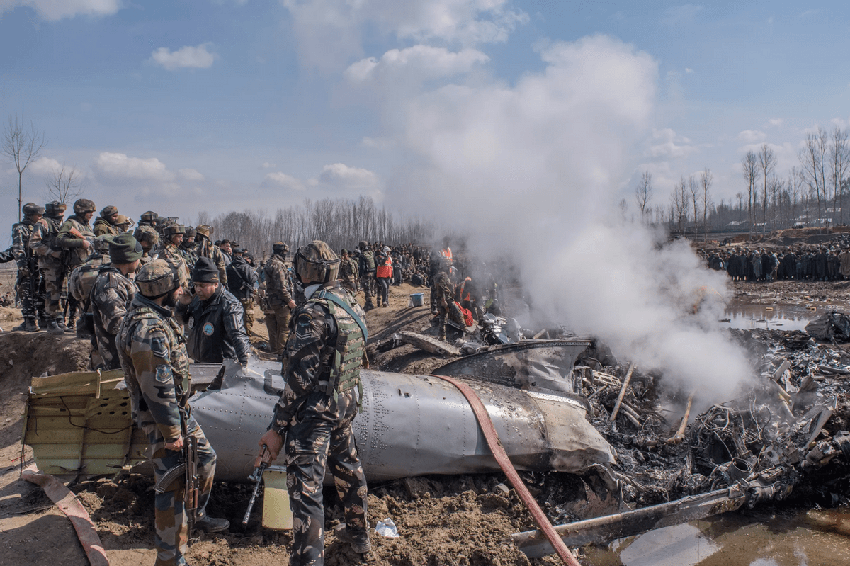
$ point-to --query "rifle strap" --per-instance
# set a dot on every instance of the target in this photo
(327, 295)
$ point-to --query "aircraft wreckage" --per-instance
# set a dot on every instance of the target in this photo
(79, 424)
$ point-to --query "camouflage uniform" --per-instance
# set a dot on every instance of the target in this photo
(77, 255)
(242, 278)
(174, 256)
(367, 276)
(348, 274)
(147, 234)
(110, 297)
(316, 415)
(29, 276)
(50, 262)
(156, 369)
(190, 254)
(278, 295)
(210, 250)
(442, 296)
(102, 227)
(80, 283)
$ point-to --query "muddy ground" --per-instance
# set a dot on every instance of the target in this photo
(462, 520)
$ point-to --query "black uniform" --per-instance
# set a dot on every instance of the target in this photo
(216, 328)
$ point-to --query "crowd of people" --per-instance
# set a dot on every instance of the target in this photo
(802, 262)
(154, 298)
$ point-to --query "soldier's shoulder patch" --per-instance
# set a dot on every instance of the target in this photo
(164, 373)
(159, 347)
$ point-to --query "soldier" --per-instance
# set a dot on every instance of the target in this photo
(215, 319)
(367, 273)
(241, 279)
(171, 252)
(76, 236)
(207, 249)
(107, 223)
(318, 405)
(189, 247)
(156, 370)
(44, 244)
(113, 291)
(80, 283)
(227, 251)
(279, 303)
(442, 294)
(148, 218)
(148, 238)
(383, 275)
(347, 272)
(29, 276)
(123, 223)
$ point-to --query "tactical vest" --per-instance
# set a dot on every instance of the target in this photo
(348, 353)
(82, 278)
(369, 260)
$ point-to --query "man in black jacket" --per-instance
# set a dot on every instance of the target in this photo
(241, 279)
(215, 319)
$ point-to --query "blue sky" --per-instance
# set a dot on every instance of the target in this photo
(217, 105)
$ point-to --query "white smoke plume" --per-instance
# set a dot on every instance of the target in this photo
(534, 170)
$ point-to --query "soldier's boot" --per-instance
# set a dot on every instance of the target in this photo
(211, 524)
(72, 320)
(60, 323)
(359, 541)
(53, 327)
(369, 306)
(30, 325)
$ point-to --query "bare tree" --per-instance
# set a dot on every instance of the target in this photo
(749, 166)
(643, 192)
(679, 204)
(624, 208)
(705, 180)
(767, 163)
(21, 146)
(812, 160)
(64, 184)
(693, 189)
(839, 161)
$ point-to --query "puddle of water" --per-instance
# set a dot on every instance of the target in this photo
(737, 539)
(773, 317)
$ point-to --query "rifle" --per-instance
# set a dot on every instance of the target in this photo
(188, 469)
(257, 477)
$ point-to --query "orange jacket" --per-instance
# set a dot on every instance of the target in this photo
(385, 270)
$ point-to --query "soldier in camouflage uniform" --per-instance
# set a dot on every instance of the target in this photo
(112, 293)
(43, 243)
(279, 303)
(207, 249)
(76, 236)
(156, 370)
(242, 278)
(29, 276)
(347, 272)
(80, 283)
(123, 223)
(189, 247)
(148, 238)
(442, 296)
(171, 252)
(107, 223)
(367, 268)
(318, 404)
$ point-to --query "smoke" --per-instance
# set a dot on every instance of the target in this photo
(533, 171)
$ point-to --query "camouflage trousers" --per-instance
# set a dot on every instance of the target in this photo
(28, 286)
(323, 439)
(367, 283)
(248, 305)
(170, 518)
(277, 323)
(54, 281)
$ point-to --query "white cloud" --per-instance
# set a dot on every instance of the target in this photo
(44, 166)
(190, 175)
(775, 122)
(268, 165)
(53, 10)
(330, 32)
(283, 181)
(688, 70)
(666, 144)
(343, 177)
(421, 62)
(751, 136)
(197, 57)
(119, 165)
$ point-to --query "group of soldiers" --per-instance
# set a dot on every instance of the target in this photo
(828, 262)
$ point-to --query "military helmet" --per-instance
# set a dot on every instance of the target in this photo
(279, 248)
(157, 278)
(146, 234)
(204, 230)
(55, 208)
(363, 244)
(84, 205)
(108, 211)
(173, 229)
(316, 263)
(31, 208)
(149, 216)
(190, 232)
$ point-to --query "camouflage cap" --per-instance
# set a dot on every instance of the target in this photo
(157, 278)
(31, 208)
(84, 205)
(204, 230)
(55, 207)
(108, 211)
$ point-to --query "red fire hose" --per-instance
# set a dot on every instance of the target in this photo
(505, 463)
